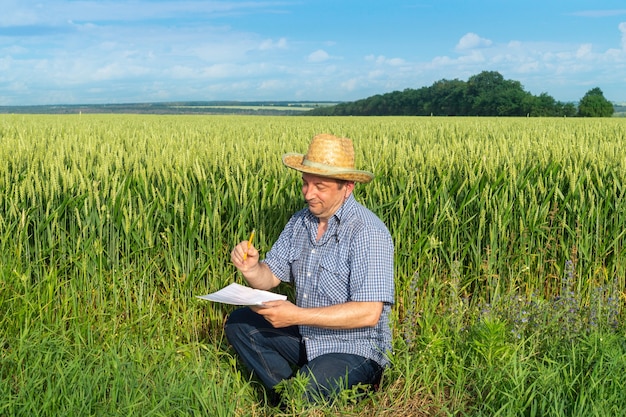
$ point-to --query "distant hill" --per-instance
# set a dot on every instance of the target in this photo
(183, 107)
(620, 109)
(288, 108)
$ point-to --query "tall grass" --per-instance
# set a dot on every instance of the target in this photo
(509, 237)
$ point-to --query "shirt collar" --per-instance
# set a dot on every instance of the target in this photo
(336, 221)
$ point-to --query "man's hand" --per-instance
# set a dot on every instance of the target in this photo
(249, 252)
(256, 273)
(279, 313)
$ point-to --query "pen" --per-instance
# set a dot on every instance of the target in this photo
(245, 255)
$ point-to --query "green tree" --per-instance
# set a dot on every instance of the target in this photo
(448, 98)
(484, 94)
(492, 95)
(566, 109)
(593, 104)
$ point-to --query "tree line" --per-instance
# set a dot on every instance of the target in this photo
(484, 94)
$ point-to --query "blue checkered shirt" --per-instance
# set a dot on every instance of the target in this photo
(353, 261)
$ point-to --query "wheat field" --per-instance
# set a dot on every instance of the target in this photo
(506, 231)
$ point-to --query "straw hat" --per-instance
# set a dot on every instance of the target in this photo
(328, 156)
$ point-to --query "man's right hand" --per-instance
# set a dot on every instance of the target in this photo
(243, 257)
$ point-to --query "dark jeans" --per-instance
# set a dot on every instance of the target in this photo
(271, 354)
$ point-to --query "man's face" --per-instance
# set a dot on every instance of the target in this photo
(324, 195)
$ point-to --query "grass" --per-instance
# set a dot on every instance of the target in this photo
(510, 254)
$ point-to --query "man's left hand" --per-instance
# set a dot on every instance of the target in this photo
(278, 313)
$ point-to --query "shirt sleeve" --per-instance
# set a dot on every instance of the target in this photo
(280, 256)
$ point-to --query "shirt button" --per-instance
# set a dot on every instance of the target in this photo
(312, 250)
(308, 274)
(304, 296)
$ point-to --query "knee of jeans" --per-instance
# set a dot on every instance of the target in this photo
(236, 320)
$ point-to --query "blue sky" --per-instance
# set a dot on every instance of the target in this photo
(113, 51)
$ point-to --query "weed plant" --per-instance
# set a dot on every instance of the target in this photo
(510, 262)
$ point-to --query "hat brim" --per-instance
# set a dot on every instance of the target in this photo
(295, 161)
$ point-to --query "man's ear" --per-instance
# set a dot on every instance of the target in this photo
(348, 187)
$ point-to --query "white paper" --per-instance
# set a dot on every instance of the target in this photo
(241, 295)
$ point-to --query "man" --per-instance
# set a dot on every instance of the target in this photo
(339, 257)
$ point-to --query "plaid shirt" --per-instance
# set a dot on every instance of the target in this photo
(353, 261)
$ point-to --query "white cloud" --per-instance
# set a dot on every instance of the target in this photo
(219, 71)
(376, 74)
(117, 70)
(474, 57)
(584, 51)
(318, 56)
(182, 72)
(395, 62)
(270, 85)
(471, 41)
(350, 85)
(270, 44)
(382, 60)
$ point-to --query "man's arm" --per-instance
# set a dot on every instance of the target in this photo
(350, 315)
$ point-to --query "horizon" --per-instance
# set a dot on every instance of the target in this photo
(226, 102)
